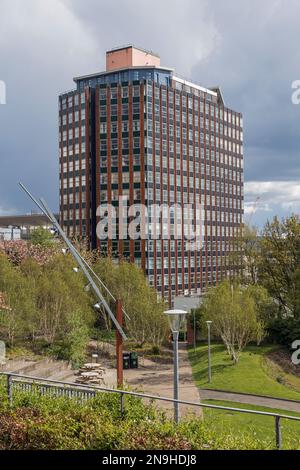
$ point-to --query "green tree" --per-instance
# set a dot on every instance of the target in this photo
(75, 339)
(293, 297)
(45, 302)
(279, 263)
(265, 305)
(41, 236)
(16, 315)
(243, 260)
(31, 272)
(250, 250)
(233, 309)
(127, 282)
(147, 321)
(60, 293)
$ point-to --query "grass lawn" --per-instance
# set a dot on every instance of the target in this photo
(262, 427)
(251, 375)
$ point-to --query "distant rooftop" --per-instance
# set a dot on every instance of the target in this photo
(24, 220)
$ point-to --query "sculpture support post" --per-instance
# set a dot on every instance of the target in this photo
(119, 345)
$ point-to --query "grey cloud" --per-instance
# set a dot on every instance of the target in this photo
(249, 48)
(255, 63)
(264, 199)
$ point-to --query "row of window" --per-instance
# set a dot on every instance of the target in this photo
(124, 127)
(114, 143)
(124, 109)
(113, 92)
(69, 100)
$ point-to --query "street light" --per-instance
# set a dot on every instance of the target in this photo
(208, 323)
(176, 319)
(97, 306)
(194, 329)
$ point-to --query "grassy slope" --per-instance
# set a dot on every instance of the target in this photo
(250, 375)
(261, 427)
(274, 370)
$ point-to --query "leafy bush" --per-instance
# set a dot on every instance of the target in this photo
(41, 236)
(284, 331)
(39, 422)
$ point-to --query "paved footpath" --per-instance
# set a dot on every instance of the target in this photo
(250, 400)
(157, 379)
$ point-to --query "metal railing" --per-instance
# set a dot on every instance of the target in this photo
(56, 388)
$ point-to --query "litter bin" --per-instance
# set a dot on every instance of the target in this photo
(126, 360)
(134, 363)
(182, 336)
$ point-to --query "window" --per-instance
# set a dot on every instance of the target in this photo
(125, 177)
(136, 159)
(114, 144)
(103, 146)
(113, 110)
(103, 128)
(136, 126)
(136, 90)
(114, 160)
(136, 177)
(125, 127)
(125, 160)
(125, 143)
(114, 93)
(114, 127)
(103, 178)
(103, 196)
(137, 194)
(102, 94)
(136, 108)
(114, 178)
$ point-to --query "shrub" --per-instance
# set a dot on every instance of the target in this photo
(284, 331)
(40, 422)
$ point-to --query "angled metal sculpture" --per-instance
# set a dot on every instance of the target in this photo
(42, 205)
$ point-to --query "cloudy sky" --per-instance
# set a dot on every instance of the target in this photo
(249, 48)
